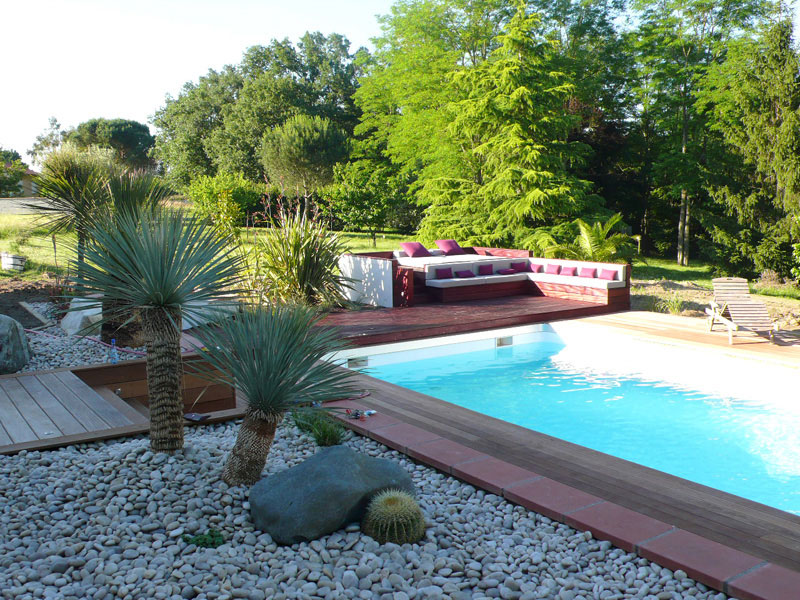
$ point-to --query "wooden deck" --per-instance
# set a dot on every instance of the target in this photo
(748, 526)
(48, 409)
(384, 325)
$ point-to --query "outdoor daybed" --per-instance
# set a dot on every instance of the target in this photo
(400, 279)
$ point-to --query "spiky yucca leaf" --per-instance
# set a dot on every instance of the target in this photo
(273, 354)
(163, 260)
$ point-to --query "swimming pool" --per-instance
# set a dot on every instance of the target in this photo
(715, 419)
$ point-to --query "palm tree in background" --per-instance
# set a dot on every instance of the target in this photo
(273, 355)
(161, 266)
(596, 243)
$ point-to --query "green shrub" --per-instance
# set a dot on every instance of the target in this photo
(298, 262)
(225, 198)
(210, 539)
(672, 305)
(325, 430)
(394, 516)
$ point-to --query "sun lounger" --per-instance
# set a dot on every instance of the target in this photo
(734, 308)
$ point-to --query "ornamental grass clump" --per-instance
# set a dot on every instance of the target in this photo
(394, 516)
(274, 356)
(297, 261)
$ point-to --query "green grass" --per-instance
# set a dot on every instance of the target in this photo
(26, 235)
(663, 268)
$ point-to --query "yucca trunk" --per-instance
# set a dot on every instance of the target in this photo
(249, 455)
(164, 375)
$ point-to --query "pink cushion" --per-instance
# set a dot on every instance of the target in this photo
(552, 269)
(414, 249)
(588, 272)
(521, 267)
(609, 274)
(449, 247)
(464, 274)
(569, 271)
(444, 273)
(506, 271)
(485, 270)
(535, 268)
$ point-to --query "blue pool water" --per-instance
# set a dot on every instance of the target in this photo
(742, 446)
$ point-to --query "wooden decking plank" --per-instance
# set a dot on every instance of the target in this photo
(5, 440)
(41, 425)
(51, 405)
(14, 424)
(98, 404)
(120, 404)
(83, 413)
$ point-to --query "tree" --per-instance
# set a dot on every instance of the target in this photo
(362, 196)
(276, 356)
(515, 157)
(301, 153)
(47, 141)
(163, 266)
(11, 171)
(73, 189)
(752, 100)
(678, 40)
(219, 123)
(131, 140)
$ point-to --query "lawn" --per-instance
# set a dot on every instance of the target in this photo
(27, 235)
(666, 269)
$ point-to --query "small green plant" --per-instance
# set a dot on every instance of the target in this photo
(210, 539)
(325, 430)
(672, 305)
(394, 516)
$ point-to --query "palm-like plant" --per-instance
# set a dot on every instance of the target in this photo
(298, 262)
(596, 243)
(73, 190)
(273, 355)
(163, 266)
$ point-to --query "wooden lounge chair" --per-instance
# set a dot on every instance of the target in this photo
(735, 308)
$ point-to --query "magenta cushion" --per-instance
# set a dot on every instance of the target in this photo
(414, 249)
(569, 271)
(609, 274)
(485, 270)
(521, 267)
(535, 268)
(552, 269)
(450, 247)
(588, 272)
(464, 274)
(445, 273)
(506, 271)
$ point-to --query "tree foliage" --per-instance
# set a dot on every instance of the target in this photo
(301, 153)
(131, 140)
(219, 122)
(12, 170)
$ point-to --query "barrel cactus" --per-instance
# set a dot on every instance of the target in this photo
(394, 516)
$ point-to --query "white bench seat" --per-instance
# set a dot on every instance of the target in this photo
(590, 282)
(478, 280)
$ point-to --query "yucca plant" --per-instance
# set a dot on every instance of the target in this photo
(298, 261)
(130, 194)
(73, 190)
(163, 266)
(273, 356)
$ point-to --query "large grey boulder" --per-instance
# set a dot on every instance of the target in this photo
(84, 317)
(14, 350)
(322, 494)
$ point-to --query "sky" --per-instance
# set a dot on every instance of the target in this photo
(80, 59)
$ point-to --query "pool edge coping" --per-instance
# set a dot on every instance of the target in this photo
(711, 563)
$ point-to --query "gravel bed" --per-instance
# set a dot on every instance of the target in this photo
(52, 348)
(105, 520)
